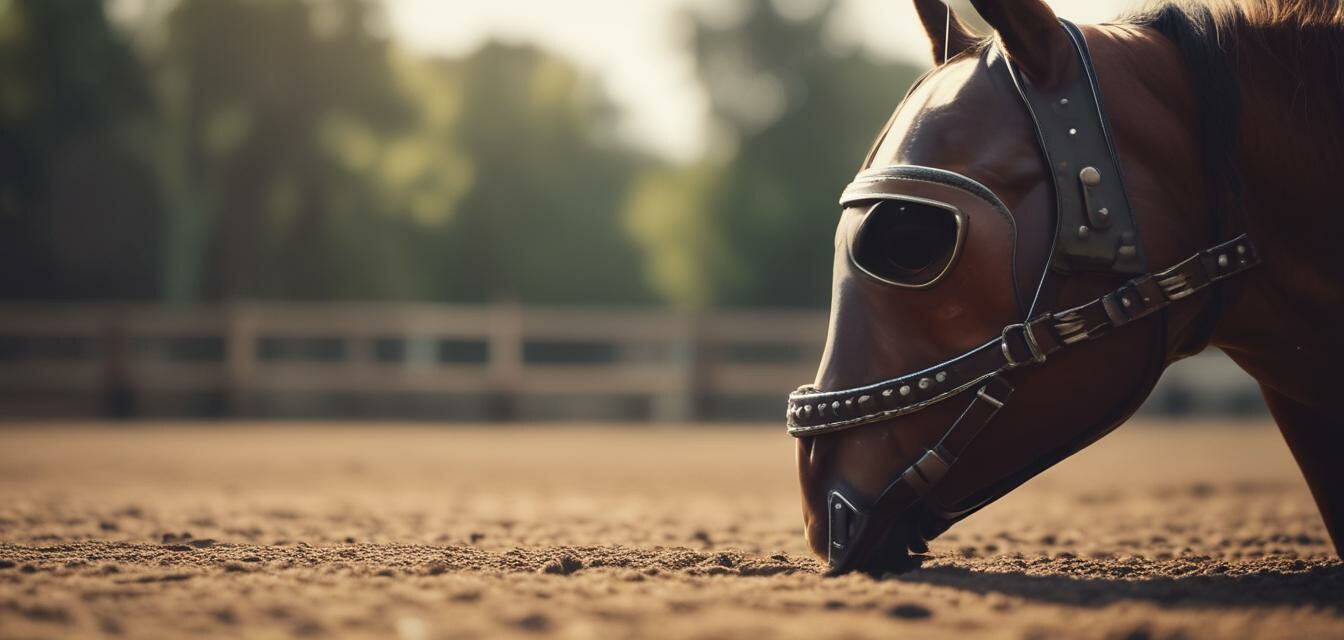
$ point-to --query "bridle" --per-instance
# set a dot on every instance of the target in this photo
(1095, 232)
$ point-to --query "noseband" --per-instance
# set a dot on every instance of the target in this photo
(1095, 233)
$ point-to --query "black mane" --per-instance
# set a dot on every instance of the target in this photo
(1206, 42)
(1305, 36)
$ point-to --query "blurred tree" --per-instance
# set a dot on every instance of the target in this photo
(796, 112)
(300, 156)
(309, 161)
(298, 159)
(79, 215)
(541, 222)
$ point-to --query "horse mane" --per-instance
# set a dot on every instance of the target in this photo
(1305, 36)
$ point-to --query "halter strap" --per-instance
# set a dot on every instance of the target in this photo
(812, 412)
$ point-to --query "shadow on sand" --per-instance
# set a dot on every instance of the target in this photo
(1319, 586)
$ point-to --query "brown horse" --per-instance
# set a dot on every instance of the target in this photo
(962, 268)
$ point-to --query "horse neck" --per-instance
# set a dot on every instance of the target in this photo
(1281, 322)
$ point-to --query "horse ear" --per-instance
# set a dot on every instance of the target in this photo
(948, 35)
(1032, 37)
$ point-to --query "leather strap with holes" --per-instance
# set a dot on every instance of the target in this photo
(812, 412)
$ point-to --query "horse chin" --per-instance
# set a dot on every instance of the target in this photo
(899, 549)
(893, 554)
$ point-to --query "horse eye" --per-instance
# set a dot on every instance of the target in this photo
(908, 243)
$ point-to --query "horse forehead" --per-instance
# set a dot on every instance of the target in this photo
(957, 117)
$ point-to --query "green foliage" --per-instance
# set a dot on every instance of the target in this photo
(78, 212)
(799, 115)
(293, 156)
(311, 162)
(542, 221)
(686, 254)
(288, 150)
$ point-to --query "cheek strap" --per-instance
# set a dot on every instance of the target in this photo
(852, 529)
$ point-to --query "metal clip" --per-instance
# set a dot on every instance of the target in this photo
(1036, 354)
(1116, 311)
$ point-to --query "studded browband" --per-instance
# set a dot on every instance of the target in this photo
(812, 412)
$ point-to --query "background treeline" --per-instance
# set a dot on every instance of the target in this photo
(275, 149)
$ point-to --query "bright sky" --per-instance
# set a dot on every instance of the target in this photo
(635, 49)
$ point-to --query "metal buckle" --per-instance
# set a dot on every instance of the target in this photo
(1117, 312)
(1037, 355)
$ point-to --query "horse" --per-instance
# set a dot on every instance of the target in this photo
(1051, 217)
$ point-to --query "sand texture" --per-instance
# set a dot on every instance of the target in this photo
(411, 532)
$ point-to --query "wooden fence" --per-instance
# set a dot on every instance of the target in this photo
(89, 355)
(426, 361)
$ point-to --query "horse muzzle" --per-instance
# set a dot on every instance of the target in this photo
(875, 536)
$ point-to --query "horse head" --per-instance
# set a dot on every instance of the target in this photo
(995, 308)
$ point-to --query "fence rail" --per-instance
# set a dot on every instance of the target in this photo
(435, 361)
(118, 355)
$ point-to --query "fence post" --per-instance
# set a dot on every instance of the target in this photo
(504, 355)
(240, 357)
(682, 402)
(119, 392)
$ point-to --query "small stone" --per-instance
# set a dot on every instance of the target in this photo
(566, 565)
(438, 567)
(534, 622)
(910, 611)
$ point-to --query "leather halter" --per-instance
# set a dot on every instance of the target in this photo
(1020, 345)
(1095, 233)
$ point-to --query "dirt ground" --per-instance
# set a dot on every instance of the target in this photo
(410, 532)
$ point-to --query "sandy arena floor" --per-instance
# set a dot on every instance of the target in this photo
(261, 531)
